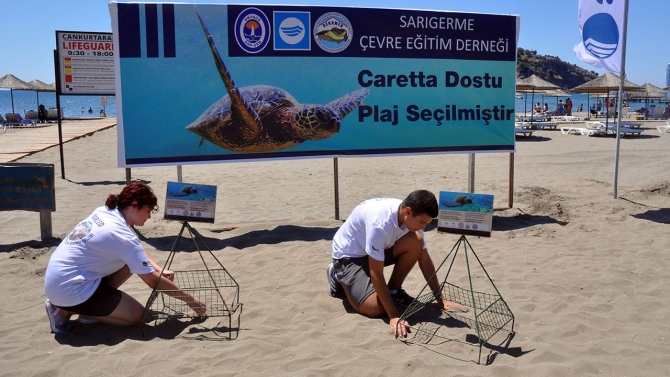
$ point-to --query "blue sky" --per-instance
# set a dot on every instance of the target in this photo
(549, 27)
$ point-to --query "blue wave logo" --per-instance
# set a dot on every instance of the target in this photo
(601, 35)
(292, 31)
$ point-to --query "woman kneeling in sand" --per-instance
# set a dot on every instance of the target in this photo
(101, 253)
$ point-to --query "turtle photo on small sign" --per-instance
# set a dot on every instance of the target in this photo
(190, 202)
(465, 213)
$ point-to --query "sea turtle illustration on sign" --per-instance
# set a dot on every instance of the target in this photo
(184, 191)
(458, 201)
(264, 118)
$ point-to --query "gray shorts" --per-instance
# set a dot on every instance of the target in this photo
(354, 274)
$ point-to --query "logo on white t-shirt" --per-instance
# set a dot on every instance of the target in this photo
(80, 231)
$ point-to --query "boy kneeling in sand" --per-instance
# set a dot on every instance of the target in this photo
(378, 233)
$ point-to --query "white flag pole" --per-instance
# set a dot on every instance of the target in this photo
(619, 107)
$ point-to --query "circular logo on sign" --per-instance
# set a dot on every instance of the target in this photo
(292, 31)
(333, 32)
(252, 30)
(601, 35)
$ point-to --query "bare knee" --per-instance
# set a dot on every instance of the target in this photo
(127, 313)
(411, 243)
(371, 307)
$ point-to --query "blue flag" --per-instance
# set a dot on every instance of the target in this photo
(601, 25)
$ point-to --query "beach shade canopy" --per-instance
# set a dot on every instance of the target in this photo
(532, 84)
(40, 86)
(12, 83)
(606, 83)
(650, 92)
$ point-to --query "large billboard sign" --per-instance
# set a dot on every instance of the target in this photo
(201, 83)
(86, 62)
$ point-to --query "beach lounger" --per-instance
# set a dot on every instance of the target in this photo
(52, 115)
(545, 125)
(531, 118)
(591, 129)
(32, 117)
(15, 119)
(573, 130)
(523, 132)
(626, 131)
(568, 118)
(663, 129)
(536, 125)
(612, 128)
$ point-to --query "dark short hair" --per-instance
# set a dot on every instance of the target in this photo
(134, 193)
(421, 202)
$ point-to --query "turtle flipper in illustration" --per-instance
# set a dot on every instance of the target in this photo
(241, 111)
(262, 118)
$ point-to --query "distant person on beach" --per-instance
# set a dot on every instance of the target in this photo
(102, 113)
(666, 112)
(378, 233)
(560, 107)
(90, 110)
(568, 106)
(581, 107)
(98, 256)
(545, 108)
(538, 108)
(42, 114)
(599, 107)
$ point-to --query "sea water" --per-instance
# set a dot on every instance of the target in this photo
(73, 106)
(577, 98)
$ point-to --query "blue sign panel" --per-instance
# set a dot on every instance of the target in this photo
(27, 187)
(241, 82)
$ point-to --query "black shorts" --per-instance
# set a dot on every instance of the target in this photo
(354, 274)
(101, 304)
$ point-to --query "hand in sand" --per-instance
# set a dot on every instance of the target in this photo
(452, 306)
(400, 328)
(199, 307)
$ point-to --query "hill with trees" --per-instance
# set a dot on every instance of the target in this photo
(552, 69)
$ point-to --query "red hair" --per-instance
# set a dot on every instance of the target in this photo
(135, 193)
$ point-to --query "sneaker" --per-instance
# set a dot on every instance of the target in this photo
(334, 287)
(86, 320)
(59, 324)
(402, 298)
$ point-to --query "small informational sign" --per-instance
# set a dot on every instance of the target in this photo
(190, 202)
(86, 62)
(465, 213)
(25, 186)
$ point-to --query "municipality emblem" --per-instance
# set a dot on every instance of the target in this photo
(252, 30)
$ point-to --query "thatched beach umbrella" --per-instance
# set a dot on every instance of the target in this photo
(604, 84)
(40, 86)
(532, 84)
(12, 83)
(650, 92)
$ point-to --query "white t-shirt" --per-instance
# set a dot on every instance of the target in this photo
(371, 228)
(97, 247)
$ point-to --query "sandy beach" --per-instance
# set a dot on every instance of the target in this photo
(586, 275)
